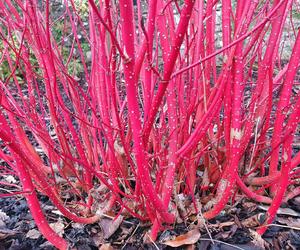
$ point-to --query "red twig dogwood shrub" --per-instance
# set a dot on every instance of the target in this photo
(194, 97)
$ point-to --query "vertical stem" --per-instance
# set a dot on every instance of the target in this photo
(126, 10)
(176, 43)
(36, 210)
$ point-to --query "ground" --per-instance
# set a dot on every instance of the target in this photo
(233, 229)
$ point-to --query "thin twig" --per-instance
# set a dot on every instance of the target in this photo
(156, 246)
(136, 228)
(277, 225)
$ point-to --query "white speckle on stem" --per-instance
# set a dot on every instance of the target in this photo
(236, 134)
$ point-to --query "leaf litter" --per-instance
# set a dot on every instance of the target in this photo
(234, 228)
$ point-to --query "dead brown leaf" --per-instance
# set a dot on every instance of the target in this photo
(249, 206)
(230, 233)
(281, 241)
(98, 239)
(179, 200)
(106, 246)
(3, 219)
(4, 233)
(223, 224)
(258, 241)
(110, 226)
(189, 238)
(190, 247)
(289, 221)
(253, 221)
(33, 234)
(58, 227)
(283, 211)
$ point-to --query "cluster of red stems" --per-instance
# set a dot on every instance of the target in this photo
(175, 93)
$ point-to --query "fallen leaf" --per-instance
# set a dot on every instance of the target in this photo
(4, 233)
(281, 241)
(77, 225)
(292, 222)
(189, 238)
(110, 226)
(230, 233)
(10, 179)
(257, 240)
(282, 211)
(237, 221)
(46, 245)
(253, 221)
(56, 212)
(210, 203)
(190, 247)
(226, 224)
(33, 234)
(3, 218)
(179, 200)
(98, 239)
(106, 246)
(58, 227)
(249, 206)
